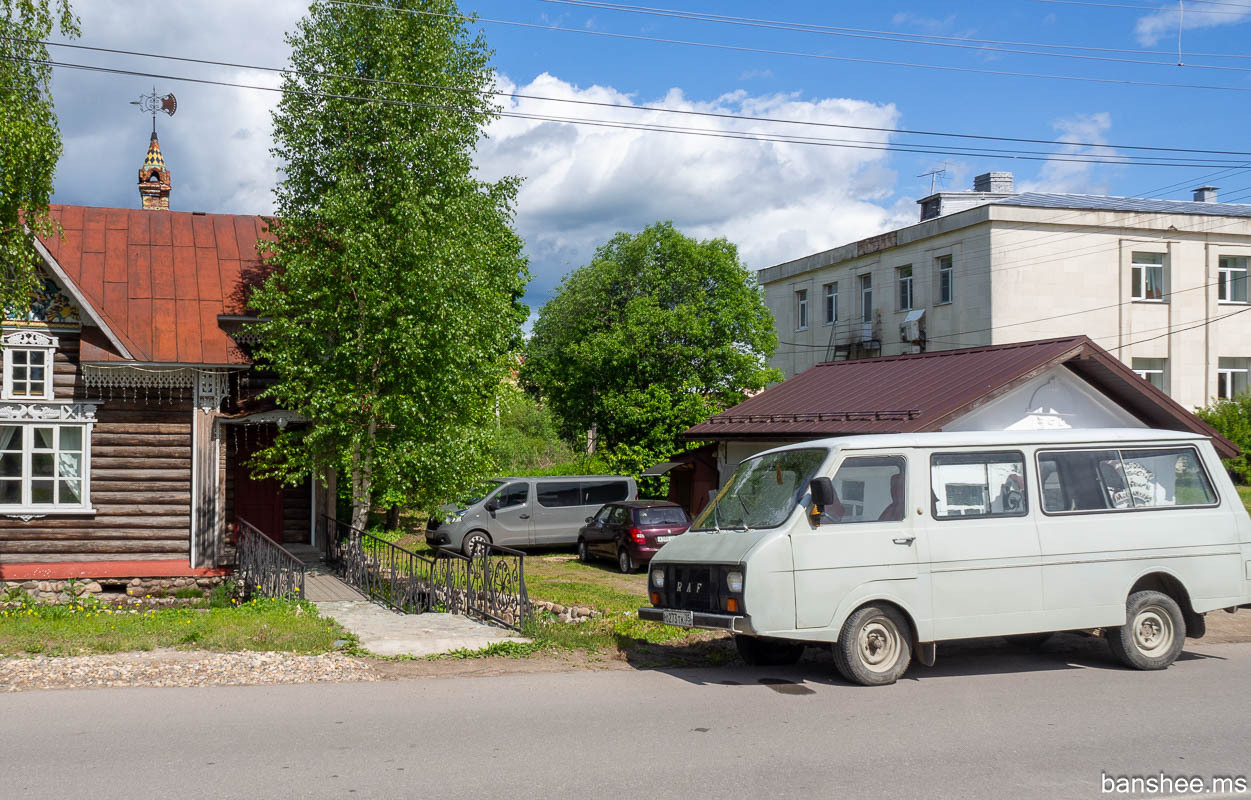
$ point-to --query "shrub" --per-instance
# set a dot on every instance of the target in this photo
(1232, 419)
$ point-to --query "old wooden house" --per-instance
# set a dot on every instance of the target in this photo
(128, 408)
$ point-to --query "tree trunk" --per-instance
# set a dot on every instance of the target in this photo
(362, 475)
(393, 518)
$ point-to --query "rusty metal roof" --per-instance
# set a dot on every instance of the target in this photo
(924, 391)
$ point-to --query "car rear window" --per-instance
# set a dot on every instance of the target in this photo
(662, 516)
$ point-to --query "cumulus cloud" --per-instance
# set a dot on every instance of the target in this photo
(1163, 23)
(775, 200)
(1075, 176)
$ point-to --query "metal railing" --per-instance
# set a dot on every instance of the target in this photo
(264, 566)
(491, 585)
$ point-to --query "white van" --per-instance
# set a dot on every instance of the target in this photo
(884, 545)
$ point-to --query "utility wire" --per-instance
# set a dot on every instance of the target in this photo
(1146, 8)
(819, 56)
(886, 36)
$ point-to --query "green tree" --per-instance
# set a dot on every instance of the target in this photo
(527, 437)
(390, 310)
(30, 142)
(1232, 419)
(657, 333)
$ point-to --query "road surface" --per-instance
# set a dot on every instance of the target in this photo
(983, 723)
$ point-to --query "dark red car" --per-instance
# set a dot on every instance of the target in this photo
(630, 532)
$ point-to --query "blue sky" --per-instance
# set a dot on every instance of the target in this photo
(777, 201)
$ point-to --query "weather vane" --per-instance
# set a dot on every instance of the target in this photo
(154, 103)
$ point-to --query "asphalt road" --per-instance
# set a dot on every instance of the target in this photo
(983, 723)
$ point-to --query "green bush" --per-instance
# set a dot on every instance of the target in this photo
(1232, 419)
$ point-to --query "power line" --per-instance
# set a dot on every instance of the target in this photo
(644, 108)
(819, 56)
(1147, 8)
(983, 45)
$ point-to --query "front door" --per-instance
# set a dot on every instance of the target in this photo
(257, 500)
(865, 537)
(513, 523)
(985, 566)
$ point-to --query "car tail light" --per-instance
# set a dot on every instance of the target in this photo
(637, 535)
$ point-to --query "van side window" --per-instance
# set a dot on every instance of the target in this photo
(867, 489)
(1110, 480)
(977, 485)
(595, 493)
(559, 494)
(514, 494)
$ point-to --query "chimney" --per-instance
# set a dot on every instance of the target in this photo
(996, 182)
(1206, 194)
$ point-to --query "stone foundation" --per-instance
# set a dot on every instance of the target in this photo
(113, 590)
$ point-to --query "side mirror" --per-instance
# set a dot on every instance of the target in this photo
(492, 507)
(590, 519)
(822, 490)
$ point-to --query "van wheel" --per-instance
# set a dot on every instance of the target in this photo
(767, 652)
(1153, 634)
(874, 647)
(475, 544)
(624, 562)
(584, 555)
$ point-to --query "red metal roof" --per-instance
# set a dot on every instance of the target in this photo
(159, 279)
(924, 391)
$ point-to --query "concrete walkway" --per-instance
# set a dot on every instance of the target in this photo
(389, 633)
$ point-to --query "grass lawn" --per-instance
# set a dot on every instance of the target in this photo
(1245, 493)
(85, 628)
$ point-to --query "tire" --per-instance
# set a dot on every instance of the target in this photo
(625, 562)
(1029, 641)
(474, 541)
(875, 646)
(767, 652)
(584, 554)
(1154, 632)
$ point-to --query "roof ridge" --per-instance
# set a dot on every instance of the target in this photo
(956, 351)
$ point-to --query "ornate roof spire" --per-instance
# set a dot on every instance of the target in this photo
(154, 178)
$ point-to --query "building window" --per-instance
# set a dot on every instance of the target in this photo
(1152, 370)
(903, 277)
(830, 297)
(866, 297)
(1231, 377)
(27, 365)
(1148, 277)
(801, 310)
(946, 280)
(1232, 282)
(43, 468)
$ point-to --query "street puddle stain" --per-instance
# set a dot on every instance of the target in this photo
(700, 730)
(785, 687)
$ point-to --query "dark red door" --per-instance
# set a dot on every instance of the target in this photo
(257, 500)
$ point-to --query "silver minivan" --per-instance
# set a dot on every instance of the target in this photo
(528, 512)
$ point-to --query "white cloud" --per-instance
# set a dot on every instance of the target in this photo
(1075, 176)
(1163, 23)
(776, 201)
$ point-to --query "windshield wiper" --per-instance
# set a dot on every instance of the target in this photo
(746, 513)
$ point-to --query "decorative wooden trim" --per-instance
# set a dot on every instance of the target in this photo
(48, 412)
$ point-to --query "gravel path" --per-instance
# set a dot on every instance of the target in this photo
(178, 668)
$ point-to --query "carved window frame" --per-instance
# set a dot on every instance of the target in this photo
(27, 341)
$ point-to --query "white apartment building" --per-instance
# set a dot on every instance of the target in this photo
(1161, 284)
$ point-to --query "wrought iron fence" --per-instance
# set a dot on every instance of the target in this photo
(264, 566)
(491, 585)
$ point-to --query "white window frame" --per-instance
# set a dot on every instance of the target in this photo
(866, 297)
(1226, 278)
(1225, 380)
(26, 451)
(904, 284)
(829, 294)
(1138, 274)
(1149, 374)
(27, 341)
(801, 309)
(946, 280)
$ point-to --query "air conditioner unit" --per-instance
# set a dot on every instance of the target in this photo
(913, 329)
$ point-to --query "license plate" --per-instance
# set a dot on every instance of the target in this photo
(663, 539)
(684, 619)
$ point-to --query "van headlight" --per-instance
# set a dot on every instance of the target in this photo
(734, 582)
(658, 578)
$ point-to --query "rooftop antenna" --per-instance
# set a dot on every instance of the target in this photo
(154, 103)
(934, 175)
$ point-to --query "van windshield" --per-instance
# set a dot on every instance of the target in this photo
(479, 494)
(763, 492)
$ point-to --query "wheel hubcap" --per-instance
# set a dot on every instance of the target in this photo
(1153, 631)
(879, 644)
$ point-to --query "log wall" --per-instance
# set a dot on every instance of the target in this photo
(140, 479)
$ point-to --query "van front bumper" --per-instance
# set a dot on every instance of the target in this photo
(701, 619)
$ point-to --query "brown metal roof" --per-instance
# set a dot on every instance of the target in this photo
(924, 391)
